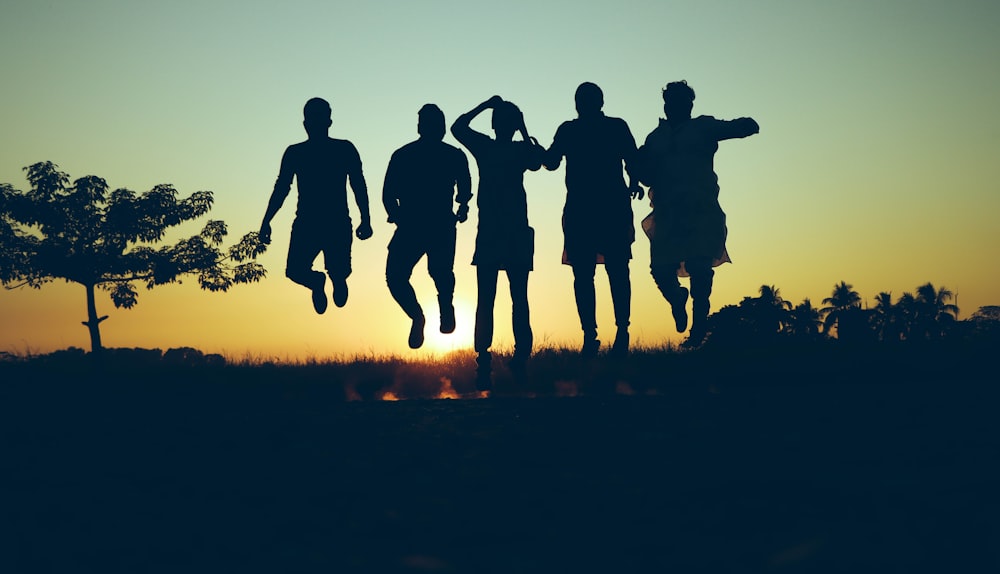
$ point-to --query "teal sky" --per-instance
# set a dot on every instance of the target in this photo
(875, 164)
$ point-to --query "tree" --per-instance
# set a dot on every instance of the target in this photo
(886, 321)
(985, 323)
(841, 301)
(905, 313)
(83, 234)
(934, 316)
(805, 320)
(771, 310)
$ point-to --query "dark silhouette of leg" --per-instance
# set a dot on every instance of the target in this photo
(486, 284)
(302, 251)
(520, 314)
(621, 298)
(583, 289)
(337, 258)
(441, 267)
(701, 289)
(665, 277)
(404, 252)
(521, 321)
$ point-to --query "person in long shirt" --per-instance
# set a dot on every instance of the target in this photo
(597, 217)
(687, 227)
(423, 179)
(504, 240)
(321, 166)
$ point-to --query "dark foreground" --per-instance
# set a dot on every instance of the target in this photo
(797, 473)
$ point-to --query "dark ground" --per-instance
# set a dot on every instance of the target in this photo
(809, 470)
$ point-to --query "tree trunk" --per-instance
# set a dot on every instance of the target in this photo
(93, 322)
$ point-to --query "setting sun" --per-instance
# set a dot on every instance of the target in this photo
(438, 343)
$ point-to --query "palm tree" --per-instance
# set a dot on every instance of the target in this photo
(771, 310)
(935, 316)
(906, 313)
(843, 299)
(884, 318)
(805, 320)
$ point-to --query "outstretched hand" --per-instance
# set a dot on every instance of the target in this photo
(364, 230)
(265, 233)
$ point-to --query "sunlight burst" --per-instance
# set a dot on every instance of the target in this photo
(438, 343)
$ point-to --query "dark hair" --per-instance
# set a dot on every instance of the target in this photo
(431, 112)
(507, 114)
(430, 122)
(678, 92)
(589, 95)
(317, 109)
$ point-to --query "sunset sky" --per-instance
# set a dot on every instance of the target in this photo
(876, 163)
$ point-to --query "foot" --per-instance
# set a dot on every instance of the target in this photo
(518, 365)
(484, 380)
(696, 337)
(678, 308)
(340, 292)
(590, 348)
(417, 333)
(620, 347)
(484, 368)
(319, 295)
(448, 319)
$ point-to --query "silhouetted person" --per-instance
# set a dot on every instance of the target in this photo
(687, 228)
(597, 217)
(321, 166)
(419, 183)
(503, 240)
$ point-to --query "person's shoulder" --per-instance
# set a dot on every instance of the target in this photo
(452, 150)
(404, 149)
(618, 123)
(568, 125)
(340, 144)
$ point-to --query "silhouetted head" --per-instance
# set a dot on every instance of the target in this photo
(430, 122)
(589, 99)
(507, 120)
(678, 100)
(316, 115)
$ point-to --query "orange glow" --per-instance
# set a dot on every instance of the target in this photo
(566, 389)
(447, 391)
(438, 343)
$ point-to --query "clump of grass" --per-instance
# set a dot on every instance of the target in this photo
(551, 371)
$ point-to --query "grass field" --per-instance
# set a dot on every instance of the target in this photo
(795, 459)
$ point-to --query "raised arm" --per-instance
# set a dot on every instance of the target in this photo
(738, 128)
(281, 188)
(461, 128)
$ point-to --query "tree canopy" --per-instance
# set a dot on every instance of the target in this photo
(83, 233)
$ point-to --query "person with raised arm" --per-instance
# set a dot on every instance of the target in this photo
(687, 227)
(504, 240)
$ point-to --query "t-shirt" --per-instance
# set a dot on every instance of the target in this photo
(421, 180)
(321, 168)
